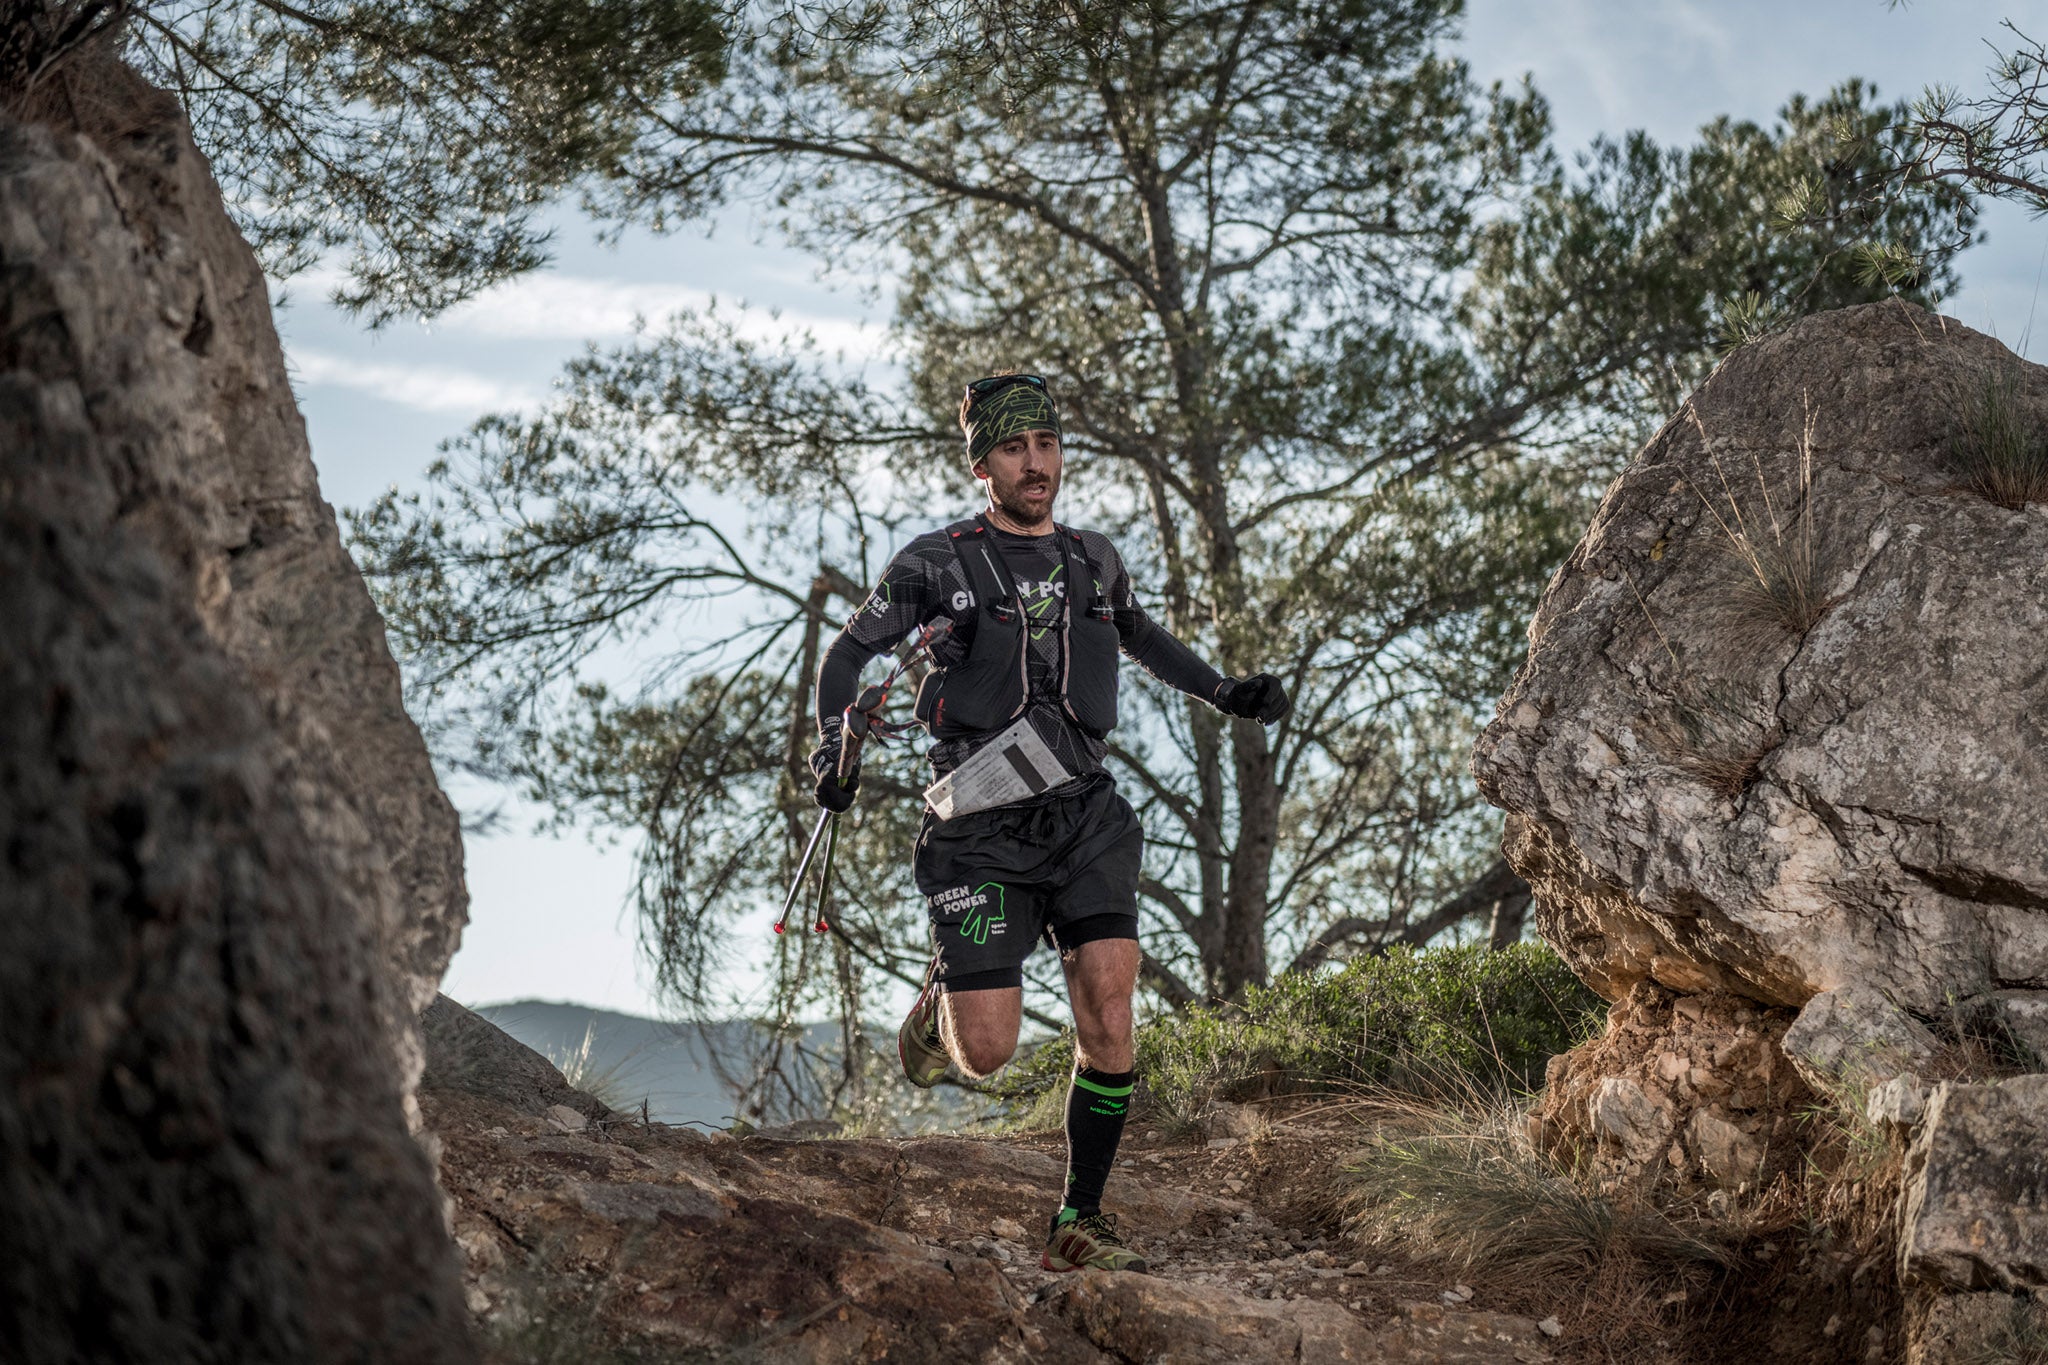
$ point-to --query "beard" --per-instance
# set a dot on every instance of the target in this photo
(1017, 506)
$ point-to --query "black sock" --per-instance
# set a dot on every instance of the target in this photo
(1096, 1104)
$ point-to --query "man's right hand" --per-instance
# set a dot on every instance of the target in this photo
(825, 766)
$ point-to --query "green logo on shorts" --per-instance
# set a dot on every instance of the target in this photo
(982, 917)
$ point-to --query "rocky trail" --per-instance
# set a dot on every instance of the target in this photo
(588, 1236)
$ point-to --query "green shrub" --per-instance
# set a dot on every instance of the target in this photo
(1442, 1021)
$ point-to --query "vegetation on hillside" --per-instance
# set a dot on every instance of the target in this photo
(1443, 1022)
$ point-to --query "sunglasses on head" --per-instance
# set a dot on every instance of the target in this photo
(982, 388)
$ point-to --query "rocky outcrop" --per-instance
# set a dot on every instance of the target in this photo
(226, 876)
(1855, 1036)
(1782, 725)
(1975, 1213)
(468, 1054)
(1778, 747)
(626, 1237)
(1141, 1317)
(131, 293)
(1689, 1092)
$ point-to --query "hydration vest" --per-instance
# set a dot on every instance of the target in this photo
(990, 685)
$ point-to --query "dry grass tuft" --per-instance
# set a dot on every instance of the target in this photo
(1707, 730)
(1976, 1042)
(1469, 1188)
(609, 1083)
(1846, 1195)
(1779, 577)
(2020, 1337)
(1713, 736)
(1998, 449)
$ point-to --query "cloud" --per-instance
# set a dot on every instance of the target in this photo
(576, 308)
(551, 306)
(429, 388)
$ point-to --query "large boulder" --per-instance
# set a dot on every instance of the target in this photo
(227, 871)
(144, 306)
(1784, 723)
(467, 1054)
(1975, 1212)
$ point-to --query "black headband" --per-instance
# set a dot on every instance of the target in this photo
(995, 415)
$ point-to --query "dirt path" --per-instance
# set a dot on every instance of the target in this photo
(624, 1243)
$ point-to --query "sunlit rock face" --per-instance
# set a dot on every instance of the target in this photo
(1781, 729)
(1689, 1094)
(230, 881)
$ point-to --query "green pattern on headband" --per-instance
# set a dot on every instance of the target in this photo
(1009, 411)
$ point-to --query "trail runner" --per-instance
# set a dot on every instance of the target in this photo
(1018, 712)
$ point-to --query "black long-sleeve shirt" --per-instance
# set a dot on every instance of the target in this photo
(925, 581)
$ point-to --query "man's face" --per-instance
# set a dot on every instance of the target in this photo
(1023, 476)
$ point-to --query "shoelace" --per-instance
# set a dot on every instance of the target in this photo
(1100, 1226)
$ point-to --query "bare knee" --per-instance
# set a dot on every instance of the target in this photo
(979, 1055)
(979, 1032)
(1102, 1036)
(1100, 978)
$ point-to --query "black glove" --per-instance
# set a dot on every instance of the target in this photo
(825, 765)
(1261, 697)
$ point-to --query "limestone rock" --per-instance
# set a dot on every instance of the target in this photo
(1223, 1119)
(1143, 1318)
(467, 1053)
(1987, 1326)
(563, 1119)
(1897, 1103)
(1138, 1317)
(1728, 1155)
(1855, 1035)
(1703, 795)
(172, 353)
(203, 1146)
(1683, 1092)
(1624, 1114)
(1975, 1210)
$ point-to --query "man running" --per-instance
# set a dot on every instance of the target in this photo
(1025, 834)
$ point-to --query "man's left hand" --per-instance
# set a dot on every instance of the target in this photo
(1261, 697)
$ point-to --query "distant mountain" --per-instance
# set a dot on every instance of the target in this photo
(629, 1058)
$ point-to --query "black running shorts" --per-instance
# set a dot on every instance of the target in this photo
(1061, 867)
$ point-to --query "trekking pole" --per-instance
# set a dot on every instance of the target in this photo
(825, 817)
(825, 877)
(856, 724)
(854, 727)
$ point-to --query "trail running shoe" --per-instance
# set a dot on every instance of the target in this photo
(917, 1042)
(1088, 1242)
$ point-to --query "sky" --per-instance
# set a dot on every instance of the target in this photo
(549, 913)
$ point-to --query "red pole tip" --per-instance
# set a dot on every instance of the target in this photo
(778, 928)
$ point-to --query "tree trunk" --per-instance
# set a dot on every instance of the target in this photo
(1510, 913)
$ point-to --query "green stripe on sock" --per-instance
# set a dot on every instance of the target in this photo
(1115, 1092)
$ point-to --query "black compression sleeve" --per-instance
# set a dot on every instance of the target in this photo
(839, 675)
(1163, 656)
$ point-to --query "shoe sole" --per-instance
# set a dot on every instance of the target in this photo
(1138, 1266)
(903, 1060)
